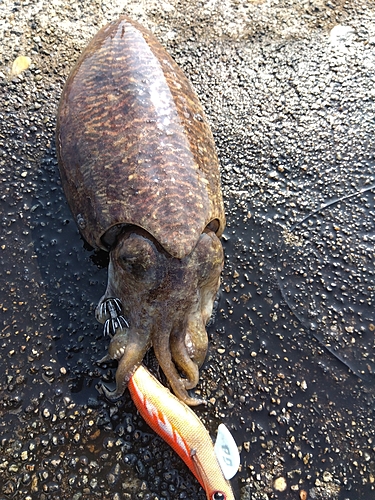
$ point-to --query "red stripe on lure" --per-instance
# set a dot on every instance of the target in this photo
(179, 426)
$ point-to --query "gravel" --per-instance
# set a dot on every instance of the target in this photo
(288, 87)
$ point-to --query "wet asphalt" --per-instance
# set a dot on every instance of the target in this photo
(291, 361)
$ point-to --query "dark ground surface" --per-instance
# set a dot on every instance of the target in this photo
(291, 362)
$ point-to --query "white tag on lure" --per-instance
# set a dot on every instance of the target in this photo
(226, 452)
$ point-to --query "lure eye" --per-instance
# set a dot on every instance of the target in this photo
(218, 495)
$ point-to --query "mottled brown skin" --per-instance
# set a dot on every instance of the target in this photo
(140, 172)
(167, 302)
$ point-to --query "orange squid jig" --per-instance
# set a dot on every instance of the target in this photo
(179, 426)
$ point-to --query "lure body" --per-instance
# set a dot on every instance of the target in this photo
(179, 426)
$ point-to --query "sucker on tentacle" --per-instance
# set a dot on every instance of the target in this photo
(121, 344)
(128, 347)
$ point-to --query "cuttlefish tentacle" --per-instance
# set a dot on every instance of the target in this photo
(210, 254)
(128, 347)
(163, 354)
(196, 338)
(179, 341)
(189, 347)
(182, 357)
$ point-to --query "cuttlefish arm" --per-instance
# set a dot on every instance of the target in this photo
(179, 426)
(128, 347)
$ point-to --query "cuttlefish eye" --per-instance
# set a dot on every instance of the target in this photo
(137, 256)
(218, 495)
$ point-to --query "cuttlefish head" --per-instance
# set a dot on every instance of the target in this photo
(166, 301)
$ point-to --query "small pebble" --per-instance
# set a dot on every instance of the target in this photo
(280, 484)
